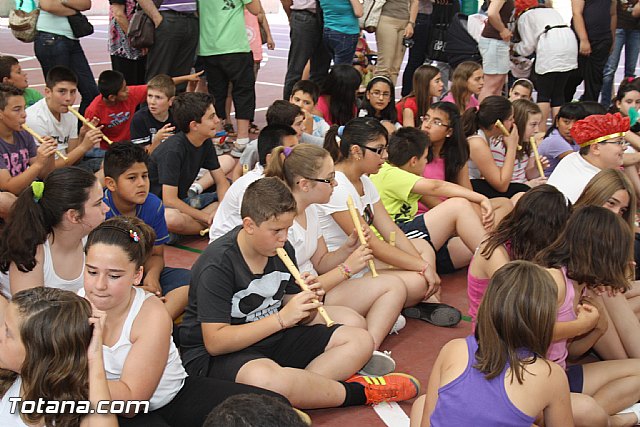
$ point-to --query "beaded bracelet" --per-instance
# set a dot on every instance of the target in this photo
(345, 270)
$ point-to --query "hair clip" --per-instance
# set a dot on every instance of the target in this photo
(38, 188)
(630, 79)
(134, 236)
(340, 130)
(286, 151)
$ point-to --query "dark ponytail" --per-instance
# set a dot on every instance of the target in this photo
(32, 221)
(359, 131)
(491, 108)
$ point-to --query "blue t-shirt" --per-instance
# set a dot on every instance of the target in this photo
(338, 16)
(151, 212)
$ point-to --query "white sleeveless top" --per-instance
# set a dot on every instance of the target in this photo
(305, 241)
(52, 280)
(114, 357)
(7, 419)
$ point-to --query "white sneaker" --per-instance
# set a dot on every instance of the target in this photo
(635, 409)
(379, 365)
(195, 189)
(401, 322)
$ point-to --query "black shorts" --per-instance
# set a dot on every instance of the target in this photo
(483, 187)
(550, 87)
(292, 348)
(575, 375)
(417, 229)
(235, 68)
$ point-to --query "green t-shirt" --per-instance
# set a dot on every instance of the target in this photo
(222, 27)
(394, 186)
(31, 96)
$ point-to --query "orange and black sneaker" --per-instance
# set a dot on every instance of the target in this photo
(394, 387)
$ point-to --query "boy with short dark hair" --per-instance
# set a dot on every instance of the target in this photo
(117, 103)
(126, 179)
(51, 117)
(176, 162)
(151, 124)
(279, 113)
(11, 73)
(228, 213)
(247, 321)
(22, 158)
(305, 95)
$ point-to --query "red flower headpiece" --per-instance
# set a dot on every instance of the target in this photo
(599, 128)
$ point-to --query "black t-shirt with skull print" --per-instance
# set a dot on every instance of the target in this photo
(224, 290)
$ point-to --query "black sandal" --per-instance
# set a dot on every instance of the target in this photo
(437, 314)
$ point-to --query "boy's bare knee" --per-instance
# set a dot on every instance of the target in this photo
(358, 337)
(266, 374)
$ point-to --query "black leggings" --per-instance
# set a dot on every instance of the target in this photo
(483, 187)
(192, 404)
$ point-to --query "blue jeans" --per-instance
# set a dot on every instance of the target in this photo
(630, 39)
(306, 45)
(342, 47)
(52, 49)
(418, 53)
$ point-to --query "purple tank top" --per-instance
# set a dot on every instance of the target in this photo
(470, 399)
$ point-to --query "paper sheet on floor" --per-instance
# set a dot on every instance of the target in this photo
(392, 414)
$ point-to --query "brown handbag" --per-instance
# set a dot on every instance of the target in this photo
(141, 32)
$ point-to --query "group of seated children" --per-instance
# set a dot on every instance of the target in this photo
(369, 212)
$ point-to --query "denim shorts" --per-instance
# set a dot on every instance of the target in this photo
(495, 56)
(201, 201)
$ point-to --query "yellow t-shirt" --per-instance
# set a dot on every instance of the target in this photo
(394, 185)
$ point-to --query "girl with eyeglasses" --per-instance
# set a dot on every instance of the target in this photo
(360, 149)
(379, 102)
(309, 172)
(448, 156)
(451, 228)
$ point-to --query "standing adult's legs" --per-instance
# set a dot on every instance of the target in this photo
(306, 36)
(53, 49)
(173, 51)
(594, 67)
(610, 68)
(418, 53)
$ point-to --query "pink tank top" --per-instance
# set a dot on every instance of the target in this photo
(432, 170)
(558, 349)
(476, 287)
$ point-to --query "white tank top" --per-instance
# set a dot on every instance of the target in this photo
(114, 357)
(6, 418)
(52, 280)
